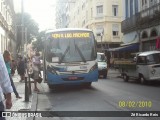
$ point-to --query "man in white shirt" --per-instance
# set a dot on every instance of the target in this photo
(5, 87)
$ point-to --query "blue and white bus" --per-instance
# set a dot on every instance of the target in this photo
(70, 57)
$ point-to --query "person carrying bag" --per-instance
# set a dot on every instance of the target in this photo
(36, 70)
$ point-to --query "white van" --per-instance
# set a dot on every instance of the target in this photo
(102, 64)
(147, 67)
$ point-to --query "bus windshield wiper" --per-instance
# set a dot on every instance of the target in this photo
(62, 58)
(80, 53)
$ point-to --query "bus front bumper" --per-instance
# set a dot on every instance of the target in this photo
(72, 79)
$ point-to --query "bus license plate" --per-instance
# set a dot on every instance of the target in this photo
(73, 78)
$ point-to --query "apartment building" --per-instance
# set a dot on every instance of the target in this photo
(104, 17)
(7, 33)
(61, 13)
(141, 25)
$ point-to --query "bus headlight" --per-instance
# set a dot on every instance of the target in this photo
(94, 67)
(51, 70)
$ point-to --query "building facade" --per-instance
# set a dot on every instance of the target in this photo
(143, 25)
(7, 31)
(61, 15)
(103, 17)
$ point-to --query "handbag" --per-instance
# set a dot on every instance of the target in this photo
(39, 80)
(32, 75)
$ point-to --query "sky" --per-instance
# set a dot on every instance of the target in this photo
(42, 11)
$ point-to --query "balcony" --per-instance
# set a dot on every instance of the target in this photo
(146, 18)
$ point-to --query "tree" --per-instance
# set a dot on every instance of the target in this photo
(30, 24)
(38, 44)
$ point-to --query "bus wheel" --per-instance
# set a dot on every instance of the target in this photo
(142, 80)
(88, 84)
(105, 76)
(51, 86)
(126, 78)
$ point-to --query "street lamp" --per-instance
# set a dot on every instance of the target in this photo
(140, 41)
(102, 33)
(22, 21)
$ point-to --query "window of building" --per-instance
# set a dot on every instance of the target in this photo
(83, 6)
(0, 6)
(0, 44)
(78, 11)
(115, 33)
(99, 9)
(115, 10)
(136, 6)
(144, 2)
(144, 35)
(115, 29)
(83, 23)
(153, 2)
(86, 15)
(126, 5)
(154, 33)
(131, 8)
(99, 30)
(91, 12)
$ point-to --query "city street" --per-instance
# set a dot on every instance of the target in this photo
(104, 95)
(68, 42)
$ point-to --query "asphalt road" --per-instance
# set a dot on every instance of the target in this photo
(104, 95)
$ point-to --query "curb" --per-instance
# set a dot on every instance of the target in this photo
(33, 105)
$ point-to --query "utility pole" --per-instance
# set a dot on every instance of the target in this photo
(22, 23)
(102, 33)
(26, 42)
(22, 52)
(140, 41)
(101, 42)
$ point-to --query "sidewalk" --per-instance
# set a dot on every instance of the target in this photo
(20, 104)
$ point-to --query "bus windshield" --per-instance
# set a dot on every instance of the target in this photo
(73, 47)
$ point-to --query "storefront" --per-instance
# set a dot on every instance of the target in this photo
(124, 51)
(149, 45)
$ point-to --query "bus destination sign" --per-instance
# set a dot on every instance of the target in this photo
(71, 35)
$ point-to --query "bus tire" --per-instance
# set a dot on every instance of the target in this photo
(51, 86)
(105, 76)
(142, 80)
(88, 84)
(125, 78)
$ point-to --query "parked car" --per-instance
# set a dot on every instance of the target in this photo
(102, 64)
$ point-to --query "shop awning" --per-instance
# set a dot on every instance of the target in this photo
(126, 48)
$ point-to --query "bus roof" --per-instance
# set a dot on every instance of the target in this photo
(68, 29)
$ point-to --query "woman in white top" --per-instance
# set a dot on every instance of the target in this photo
(36, 69)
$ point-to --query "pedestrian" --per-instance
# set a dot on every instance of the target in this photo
(36, 69)
(5, 86)
(7, 59)
(21, 68)
(13, 67)
(29, 66)
(18, 65)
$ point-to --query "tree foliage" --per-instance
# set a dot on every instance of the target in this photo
(38, 44)
(30, 25)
